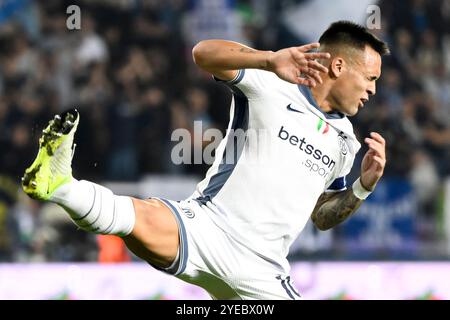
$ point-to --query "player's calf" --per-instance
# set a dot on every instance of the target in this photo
(95, 208)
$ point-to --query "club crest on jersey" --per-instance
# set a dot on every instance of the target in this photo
(188, 213)
(322, 126)
(342, 144)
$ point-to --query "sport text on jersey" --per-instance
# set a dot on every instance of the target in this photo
(318, 162)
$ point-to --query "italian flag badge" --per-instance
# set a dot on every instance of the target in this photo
(323, 126)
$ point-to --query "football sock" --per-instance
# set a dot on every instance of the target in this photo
(95, 208)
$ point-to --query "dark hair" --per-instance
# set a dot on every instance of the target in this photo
(353, 35)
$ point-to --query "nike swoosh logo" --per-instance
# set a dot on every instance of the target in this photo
(292, 109)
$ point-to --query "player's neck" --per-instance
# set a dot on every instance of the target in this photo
(321, 95)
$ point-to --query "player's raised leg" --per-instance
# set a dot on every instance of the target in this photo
(149, 228)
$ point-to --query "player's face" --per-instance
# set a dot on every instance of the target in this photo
(356, 84)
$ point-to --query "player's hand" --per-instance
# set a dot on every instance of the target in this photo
(374, 161)
(297, 65)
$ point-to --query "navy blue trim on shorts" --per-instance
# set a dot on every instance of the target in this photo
(287, 286)
(178, 268)
(283, 284)
(288, 278)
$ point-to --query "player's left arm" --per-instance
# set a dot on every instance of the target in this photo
(334, 207)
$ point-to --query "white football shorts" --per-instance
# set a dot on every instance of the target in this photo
(225, 268)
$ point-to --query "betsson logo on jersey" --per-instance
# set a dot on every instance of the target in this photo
(321, 163)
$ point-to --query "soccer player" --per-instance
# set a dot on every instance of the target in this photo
(233, 234)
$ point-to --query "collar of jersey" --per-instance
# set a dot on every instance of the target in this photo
(308, 95)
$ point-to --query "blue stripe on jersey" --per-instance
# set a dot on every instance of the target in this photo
(240, 121)
(307, 93)
(338, 184)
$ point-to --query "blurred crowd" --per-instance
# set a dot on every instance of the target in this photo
(129, 72)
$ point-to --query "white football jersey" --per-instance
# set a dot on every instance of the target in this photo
(263, 185)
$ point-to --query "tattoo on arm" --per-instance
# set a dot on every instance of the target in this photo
(334, 207)
(244, 50)
(247, 50)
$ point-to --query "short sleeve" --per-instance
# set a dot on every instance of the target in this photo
(349, 147)
(339, 184)
(252, 82)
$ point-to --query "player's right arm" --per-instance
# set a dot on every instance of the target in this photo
(333, 208)
(224, 58)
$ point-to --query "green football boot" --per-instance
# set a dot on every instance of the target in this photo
(53, 164)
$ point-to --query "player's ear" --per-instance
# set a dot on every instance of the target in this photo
(336, 67)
